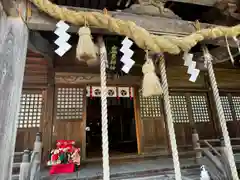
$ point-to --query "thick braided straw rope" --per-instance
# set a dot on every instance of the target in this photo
(105, 153)
(221, 116)
(171, 131)
(142, 37)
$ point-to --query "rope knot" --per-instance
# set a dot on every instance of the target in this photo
(151, 84)
(84, 31)
(148, 67)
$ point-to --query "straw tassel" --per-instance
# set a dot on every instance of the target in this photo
(86, 50)
(151, 84)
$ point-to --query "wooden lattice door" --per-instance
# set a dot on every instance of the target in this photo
(231, 109)
(69, 114)
(29, 119)
(153, 126)
(191, 110)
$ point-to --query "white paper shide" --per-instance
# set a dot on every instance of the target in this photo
(187, 57)
(127, 54)
(62, 39)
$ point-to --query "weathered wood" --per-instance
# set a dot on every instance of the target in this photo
(155, 25)
(3, 26)
(47, 125)
(198, 2)
(40, 45)
(13, 56)
(90, 78)
(9, 7)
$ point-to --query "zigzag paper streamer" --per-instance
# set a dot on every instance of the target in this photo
(187, 57)
(61, 41)
(127, 54)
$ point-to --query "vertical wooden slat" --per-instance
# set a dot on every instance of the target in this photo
(84, 122)
(234, 122)
(190, 112)
(47, 124)
(13, 58)
(138, 121)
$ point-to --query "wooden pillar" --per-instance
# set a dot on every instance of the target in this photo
(13, 56)
(47, 126)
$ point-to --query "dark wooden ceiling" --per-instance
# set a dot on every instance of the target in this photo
(97, 4)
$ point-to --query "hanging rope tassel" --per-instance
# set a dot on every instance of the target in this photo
(151, 84)
(220, 113)
(86, 50)
(170, 125)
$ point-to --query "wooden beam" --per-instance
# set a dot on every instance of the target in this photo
(9, 6)
(155, 25)
(13, 57)
(198, 2)
(3, 26)
(40, 45)
(47, 125)
(92, 78)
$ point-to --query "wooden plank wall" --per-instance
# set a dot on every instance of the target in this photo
(36, 70)
(228, 79)
(35, 81)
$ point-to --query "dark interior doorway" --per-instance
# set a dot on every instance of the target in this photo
(121, 127)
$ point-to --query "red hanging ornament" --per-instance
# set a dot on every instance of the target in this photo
(117, 93)
(130, 93)
(91, 92)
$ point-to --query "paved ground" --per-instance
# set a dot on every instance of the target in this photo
(161, 168)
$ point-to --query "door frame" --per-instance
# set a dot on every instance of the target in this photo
(137, 119)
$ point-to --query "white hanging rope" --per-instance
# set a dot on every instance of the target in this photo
(229, 51)
(105, 154)
(171, 130)
(208, 59)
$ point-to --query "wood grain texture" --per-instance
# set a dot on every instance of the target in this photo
(3, 26)
(9, 7)
(47, 124)
(13, 57)
(228, 78)
(198, 2)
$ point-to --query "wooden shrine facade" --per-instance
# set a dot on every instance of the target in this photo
(54, 99)
(47, 79)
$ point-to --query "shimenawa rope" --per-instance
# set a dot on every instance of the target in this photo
(142, 37)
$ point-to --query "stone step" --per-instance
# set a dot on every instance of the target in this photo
(15, 177)
(188, 174)
(18, 157)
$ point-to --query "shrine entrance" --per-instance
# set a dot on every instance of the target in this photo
(121, 124)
